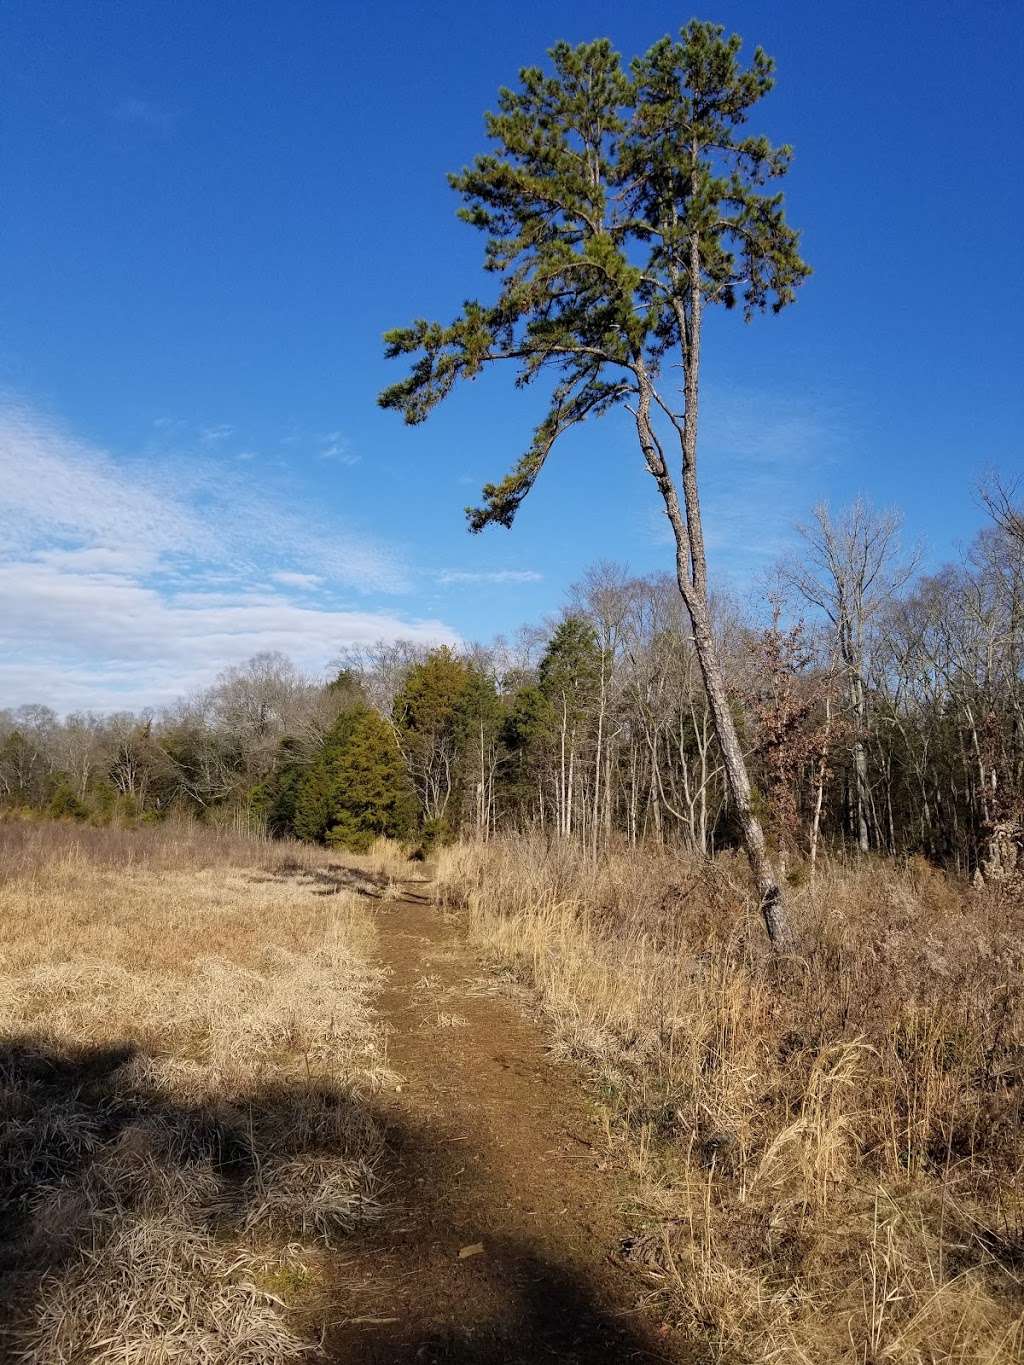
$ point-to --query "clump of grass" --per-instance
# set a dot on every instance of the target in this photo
(829, 1151)
(157, 1289)
(187, 1045)
(311, 1197)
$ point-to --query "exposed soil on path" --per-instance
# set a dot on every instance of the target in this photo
(494, 1154)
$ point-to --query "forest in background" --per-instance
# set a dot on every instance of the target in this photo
(880, 708)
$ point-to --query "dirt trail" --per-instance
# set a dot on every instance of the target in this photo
(493, 1144)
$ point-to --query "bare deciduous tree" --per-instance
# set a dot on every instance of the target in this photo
(853, 569)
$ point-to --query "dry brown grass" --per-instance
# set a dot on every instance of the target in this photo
(830, 1151)
(387, 858)
(187, 1050)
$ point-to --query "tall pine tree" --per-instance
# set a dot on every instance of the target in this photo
(617, 206)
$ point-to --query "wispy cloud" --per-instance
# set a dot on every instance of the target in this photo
(56, 489)
(122, 584)
(449, 576)
(151, 114)
(172, 512)
(213, 435)
(336, 446)
(290, 579)
(765, 458)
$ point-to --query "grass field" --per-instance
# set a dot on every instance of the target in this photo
(829, 1150)
(825, 1154)
(186, 1045)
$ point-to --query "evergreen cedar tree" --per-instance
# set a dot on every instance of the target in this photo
(357, 789)
(616, 206)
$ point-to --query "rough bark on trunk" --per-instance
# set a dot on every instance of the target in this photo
(819, 794)
(772, 905)
(860, 761)
(691, 575)
(1002, 858)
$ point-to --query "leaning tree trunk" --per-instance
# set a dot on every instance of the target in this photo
(819, 789)
(860, 759)
(691, 575)
(772, 907)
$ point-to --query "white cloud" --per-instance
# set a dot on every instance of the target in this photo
(447, 576)
(55, 487)
(100, 559)
(123, 585)
(290, 579)
(66, 494)
(73, 639)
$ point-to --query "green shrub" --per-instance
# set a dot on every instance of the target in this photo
(64, 804)
(358, 788)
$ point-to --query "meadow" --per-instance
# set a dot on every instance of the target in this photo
(188, 1045)
(825, 1151)
(819, 1155)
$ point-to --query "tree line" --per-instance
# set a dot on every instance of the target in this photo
(878, 709)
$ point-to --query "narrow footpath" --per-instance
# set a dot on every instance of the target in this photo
(502, 1240)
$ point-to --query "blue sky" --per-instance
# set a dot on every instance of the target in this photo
(212, 212)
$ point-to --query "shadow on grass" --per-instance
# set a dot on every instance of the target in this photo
(332, 878)
(123, 1204)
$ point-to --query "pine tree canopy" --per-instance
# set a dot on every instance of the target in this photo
(429, 700)
(571, 666)
(616, 204)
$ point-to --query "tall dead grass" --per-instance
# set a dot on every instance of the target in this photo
(830, 1151)
(187, 1048)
